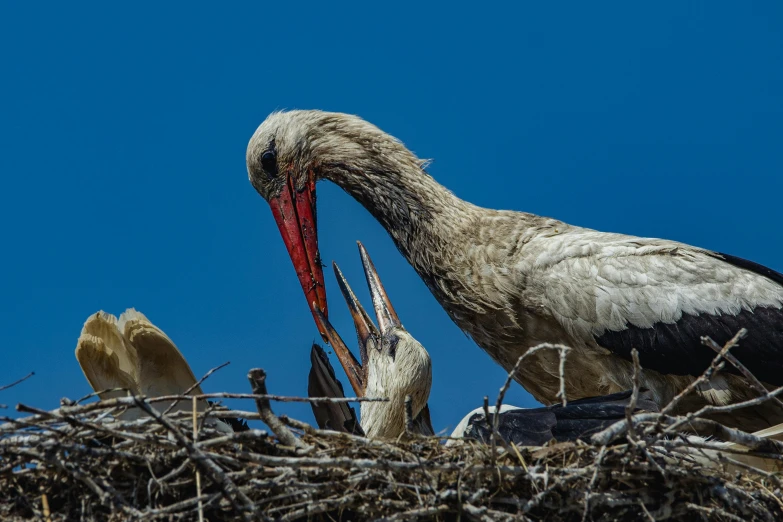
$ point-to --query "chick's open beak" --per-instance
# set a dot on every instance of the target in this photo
(365, 328)
(384, 311)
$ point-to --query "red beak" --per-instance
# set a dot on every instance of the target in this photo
(294, 212)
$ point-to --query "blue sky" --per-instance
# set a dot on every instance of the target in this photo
(124, 184)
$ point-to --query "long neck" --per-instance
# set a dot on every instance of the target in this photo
(421, 215)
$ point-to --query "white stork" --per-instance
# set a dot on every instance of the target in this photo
(395, 365)
(512, 280)
(130, 354)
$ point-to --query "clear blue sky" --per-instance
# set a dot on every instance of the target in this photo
(124, 184)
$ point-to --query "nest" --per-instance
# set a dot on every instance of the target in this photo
(78, 463)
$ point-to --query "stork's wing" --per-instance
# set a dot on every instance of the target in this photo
(162, 370)
(582, 418)
(322, 382)
(537, 426)
(105, 360)
(104, 356)
(100, 335)
(661, 297)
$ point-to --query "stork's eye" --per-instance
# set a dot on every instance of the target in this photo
(269, 162)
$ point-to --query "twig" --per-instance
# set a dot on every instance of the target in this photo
(562, 349)
(257, 378)
(45, 505)
(754, 382)
(714, 366)
(562, 352)
(631, 407)
(17, 382)
(230, 490)
(491, 425)
(196, 385)
(198, 474)
(129, 402)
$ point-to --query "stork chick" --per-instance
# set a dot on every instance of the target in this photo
(393, 365)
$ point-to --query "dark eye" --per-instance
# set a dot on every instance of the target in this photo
(393, 347)
(269, 162)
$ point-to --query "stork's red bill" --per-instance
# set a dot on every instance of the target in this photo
(513, 280)
(295, 214)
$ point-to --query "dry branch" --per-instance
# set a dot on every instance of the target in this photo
(77, 463)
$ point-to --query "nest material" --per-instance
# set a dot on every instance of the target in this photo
(73, 464)
(76, 463)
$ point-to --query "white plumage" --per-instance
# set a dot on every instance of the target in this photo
(394, 366)
(513, 280)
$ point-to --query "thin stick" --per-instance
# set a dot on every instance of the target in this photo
(562, 349)
(126, 402)
(562, 352)
(17, 382)
(45, 504)
(198, 474)
(754, 382)
(707, 375)
(195, 385)
(257, 378)
(491, 425)
(631, 407)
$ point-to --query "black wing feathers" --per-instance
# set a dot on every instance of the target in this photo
(751, 267)
(675, 348)
(577, 420)
(322, 382)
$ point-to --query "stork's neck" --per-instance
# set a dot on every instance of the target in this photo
(420, 214)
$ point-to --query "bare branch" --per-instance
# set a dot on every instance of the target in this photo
(257, 378)
(753, 381)
(631, 407)
(714, 366)
(17, 382)
(195, 385)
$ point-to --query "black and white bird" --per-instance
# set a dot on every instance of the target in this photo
(395, 365)
(512, 280)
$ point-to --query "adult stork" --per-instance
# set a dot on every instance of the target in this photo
(395, 365)
(512, 280)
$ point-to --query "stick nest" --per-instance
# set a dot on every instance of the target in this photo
(79, 463)
(71, 464)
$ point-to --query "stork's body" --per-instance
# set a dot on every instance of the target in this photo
(512, 280)
(395, 366)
